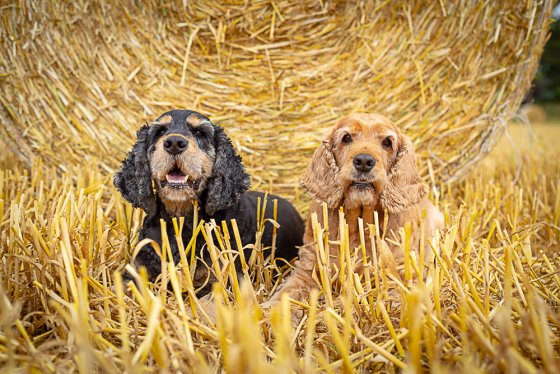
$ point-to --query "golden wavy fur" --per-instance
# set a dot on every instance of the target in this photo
(390, 185)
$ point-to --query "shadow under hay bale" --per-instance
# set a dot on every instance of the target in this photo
(78, 80)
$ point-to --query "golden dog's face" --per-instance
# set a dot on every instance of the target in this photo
(364, 147)
(364, 160)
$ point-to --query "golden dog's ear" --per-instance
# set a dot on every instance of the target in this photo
(405, 187)
(321, 178)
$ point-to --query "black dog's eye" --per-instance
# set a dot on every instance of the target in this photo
(202, 132)
(160, 130)
(387, 142)
(347, 139)
(156, 132)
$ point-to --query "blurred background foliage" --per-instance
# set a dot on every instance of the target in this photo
(547, 81)
(546, 87)
(545, 91)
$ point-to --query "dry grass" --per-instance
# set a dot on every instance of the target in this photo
(492, 303)
(78, 78)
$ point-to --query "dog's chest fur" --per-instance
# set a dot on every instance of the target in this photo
(179, 208)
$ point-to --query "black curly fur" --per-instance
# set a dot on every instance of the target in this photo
(134, 180)
(229, 179)
(225, 198)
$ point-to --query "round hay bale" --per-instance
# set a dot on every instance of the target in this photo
(78, 80)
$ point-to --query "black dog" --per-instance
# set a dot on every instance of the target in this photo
(188, 158)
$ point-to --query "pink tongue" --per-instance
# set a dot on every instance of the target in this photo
(175, 177)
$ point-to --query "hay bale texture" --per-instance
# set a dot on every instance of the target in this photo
(79, 78)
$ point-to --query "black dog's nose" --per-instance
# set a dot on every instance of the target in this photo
(364, 162)
(175, 144)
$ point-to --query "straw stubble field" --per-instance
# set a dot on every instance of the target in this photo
(490, 301)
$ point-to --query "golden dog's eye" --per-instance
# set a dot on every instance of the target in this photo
(387, 142)
(347, 139)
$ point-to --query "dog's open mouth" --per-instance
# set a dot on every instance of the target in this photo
(175, 178)
(362, 185)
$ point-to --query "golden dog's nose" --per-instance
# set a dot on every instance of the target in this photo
(363, 162)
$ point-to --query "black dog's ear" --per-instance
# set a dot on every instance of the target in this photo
(134, 180)
(228, 180)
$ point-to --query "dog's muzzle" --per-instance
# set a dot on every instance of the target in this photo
(175, 178)
(363, 162)
(175, 144)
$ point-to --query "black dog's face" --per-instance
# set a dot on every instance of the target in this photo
(185, 157)
(181, 154)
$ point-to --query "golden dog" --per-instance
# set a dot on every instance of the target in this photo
(364, 165)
